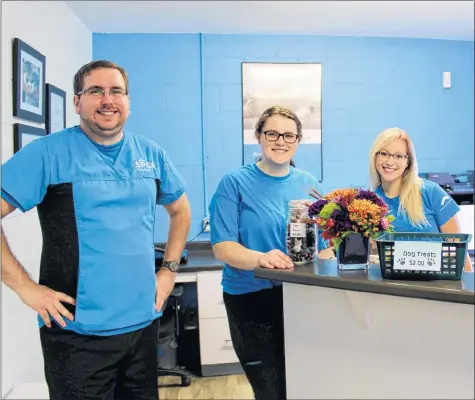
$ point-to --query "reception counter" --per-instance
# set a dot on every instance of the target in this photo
(355, 335)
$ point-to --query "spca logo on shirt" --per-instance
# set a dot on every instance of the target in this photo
(143, 165)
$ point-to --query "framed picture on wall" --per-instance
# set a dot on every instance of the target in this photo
(24, 134)
(28, 82)
(55, 109)
(297, 86)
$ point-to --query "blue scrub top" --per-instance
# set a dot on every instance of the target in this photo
(96, 206)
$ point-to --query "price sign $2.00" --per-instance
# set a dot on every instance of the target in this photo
(417, 256)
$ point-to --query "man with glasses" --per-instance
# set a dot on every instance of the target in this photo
(96, 187)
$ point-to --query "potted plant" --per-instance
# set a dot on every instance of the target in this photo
(348, 218)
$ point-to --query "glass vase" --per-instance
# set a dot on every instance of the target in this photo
(353, 252)
(301, 240)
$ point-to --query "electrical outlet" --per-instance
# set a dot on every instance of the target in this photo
(206, 225)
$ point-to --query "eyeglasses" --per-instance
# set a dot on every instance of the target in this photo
(100, 92)
(273, 136)
(398, 157)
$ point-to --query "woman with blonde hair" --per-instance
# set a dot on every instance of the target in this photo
(419, 205)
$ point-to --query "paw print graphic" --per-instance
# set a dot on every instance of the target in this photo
(430, 262)
(401, 261)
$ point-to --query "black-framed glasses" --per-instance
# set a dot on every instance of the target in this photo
(100, 92)
(273, 136)
(386, 155)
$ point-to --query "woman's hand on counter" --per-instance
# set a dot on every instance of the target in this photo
(235, 254)
(275, 259)
(327, 254)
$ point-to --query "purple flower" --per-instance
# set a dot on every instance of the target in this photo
(335, 213)
(342, 220)
(371, 196)
(316, 207)
(340, 201)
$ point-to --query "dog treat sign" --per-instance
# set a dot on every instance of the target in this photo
(417, 256)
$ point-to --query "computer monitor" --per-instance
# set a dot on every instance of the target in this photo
(441, 178)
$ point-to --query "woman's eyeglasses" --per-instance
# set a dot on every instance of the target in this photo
(398, 157)
(288, 137)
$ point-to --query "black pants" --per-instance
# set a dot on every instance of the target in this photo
(80, 367)
(257, 332)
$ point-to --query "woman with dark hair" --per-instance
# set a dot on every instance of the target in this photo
(248, 219)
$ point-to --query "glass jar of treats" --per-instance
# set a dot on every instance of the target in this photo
(301, 237)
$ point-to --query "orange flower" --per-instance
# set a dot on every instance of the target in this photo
(363, 211)
(346, 194)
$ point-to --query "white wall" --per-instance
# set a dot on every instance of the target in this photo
(54, 30)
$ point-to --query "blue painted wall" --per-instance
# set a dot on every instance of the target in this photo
(186, 92)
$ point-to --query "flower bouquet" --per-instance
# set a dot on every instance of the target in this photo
(348, 218)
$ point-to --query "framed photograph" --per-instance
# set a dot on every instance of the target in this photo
(294, 86)
(28, 82)
(24, 134)
(55, 109)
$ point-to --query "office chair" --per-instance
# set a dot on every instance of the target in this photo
(168, 334)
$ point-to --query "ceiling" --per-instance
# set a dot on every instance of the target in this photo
(452, 20)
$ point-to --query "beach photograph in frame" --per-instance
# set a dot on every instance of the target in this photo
(296, 86)
(28, 82)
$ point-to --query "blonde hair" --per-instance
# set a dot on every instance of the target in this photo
(410, 196)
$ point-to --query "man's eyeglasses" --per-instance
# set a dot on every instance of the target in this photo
(99, 92)
(288, 137)
(398, 157)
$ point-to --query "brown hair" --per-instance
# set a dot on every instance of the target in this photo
(284, 112)
(85, 70)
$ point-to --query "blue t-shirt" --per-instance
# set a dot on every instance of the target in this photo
(439, 207)
(250, 208)
(97, 215)
(110, 151)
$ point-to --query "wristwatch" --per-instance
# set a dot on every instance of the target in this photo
(171, 265)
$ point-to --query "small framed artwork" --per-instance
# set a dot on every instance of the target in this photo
(24, 134)
(28, 82)
(55, 109)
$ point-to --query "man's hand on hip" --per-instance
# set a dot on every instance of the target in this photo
(165, 283)
(47, 302)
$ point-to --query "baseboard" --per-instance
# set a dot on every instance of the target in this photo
(7, 393)
(221, 369)
(31, 390)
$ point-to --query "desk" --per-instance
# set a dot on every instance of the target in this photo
(466, 216)
(354, 335)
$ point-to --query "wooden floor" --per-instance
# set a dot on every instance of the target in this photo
(219, 387)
